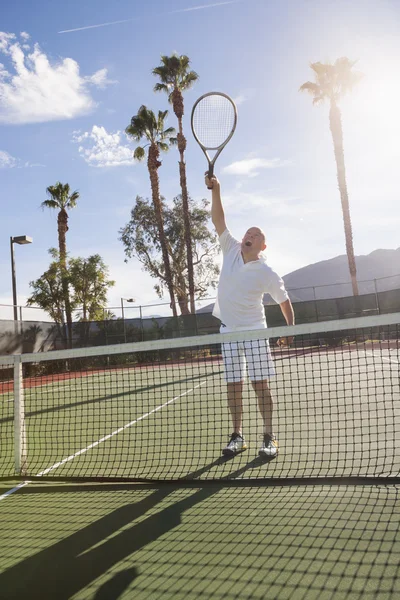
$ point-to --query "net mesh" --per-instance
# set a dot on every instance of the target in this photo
(213, 120)
(158, 410)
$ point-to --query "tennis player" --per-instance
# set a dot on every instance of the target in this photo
(245, 278)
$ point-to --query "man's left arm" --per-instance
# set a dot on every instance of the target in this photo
(276, 288)
(287, 311)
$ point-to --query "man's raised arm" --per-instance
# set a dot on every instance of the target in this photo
(217, 211)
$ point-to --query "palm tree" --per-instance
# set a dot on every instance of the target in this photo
(332, 82)
(175, 78)
(146, 125)
(61, 199)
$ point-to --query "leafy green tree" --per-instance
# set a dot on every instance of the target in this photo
(48, 293)
(332, 82)
(140, 240)
(146, 125)
(176, 77)
(61, 199)
(90, 283)
(48, 290)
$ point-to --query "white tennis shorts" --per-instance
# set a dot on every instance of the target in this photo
(254, 354)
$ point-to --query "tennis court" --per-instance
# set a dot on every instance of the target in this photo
(121, 541)
(320, 520)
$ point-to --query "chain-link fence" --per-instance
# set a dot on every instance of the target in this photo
(40, 336)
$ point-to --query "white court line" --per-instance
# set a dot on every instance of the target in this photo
(103, 439)
(392, 360)
(21, 485)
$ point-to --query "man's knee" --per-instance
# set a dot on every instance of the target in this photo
(235, 386)
(260, 385)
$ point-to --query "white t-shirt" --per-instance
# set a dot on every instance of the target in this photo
(242, 286)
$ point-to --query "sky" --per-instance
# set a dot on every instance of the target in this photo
(73, 74)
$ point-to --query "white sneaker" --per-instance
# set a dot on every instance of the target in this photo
(236, 444)
(270, 446)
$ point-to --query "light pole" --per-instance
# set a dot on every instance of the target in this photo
(123, 316)
(21, 240)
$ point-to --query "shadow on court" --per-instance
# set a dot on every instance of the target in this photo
(107, 398)
(70, 565)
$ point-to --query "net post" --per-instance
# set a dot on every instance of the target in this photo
(20, 447)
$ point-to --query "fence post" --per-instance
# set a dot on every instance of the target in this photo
(377, 298)
(315, 303)
(141, 323)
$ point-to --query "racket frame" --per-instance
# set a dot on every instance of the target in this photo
(218, 149)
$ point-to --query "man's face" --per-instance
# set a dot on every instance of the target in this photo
(253, 241)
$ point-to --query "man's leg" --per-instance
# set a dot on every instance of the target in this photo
(269, 448)
(237, 442)
(265, 403)
(235, 404)
(235, 369)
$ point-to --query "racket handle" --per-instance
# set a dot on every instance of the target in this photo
(210, 174)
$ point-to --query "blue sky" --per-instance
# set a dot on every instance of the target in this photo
(65, 99)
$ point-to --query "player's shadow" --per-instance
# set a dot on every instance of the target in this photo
(70, 565)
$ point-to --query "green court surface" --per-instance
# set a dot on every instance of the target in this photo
(171, 421)
(109, 541)
(321, 521)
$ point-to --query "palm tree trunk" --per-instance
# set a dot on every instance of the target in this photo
(153, 165)
(177, 101)
(335, 122)
(62, 222)
(186, 217)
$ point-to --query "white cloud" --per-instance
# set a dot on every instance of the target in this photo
(244, 95)
(6, 160)
(25, 36)
(33, 89)
(31, 164)
(105, 149)
(240, 99)
(99, 79)
(5, 39)
(251, 166)
(274, 205)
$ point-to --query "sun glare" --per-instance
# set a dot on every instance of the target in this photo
(372, 116)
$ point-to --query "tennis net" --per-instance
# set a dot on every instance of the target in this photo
(158, 410)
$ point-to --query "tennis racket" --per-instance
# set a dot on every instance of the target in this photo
(214, 118)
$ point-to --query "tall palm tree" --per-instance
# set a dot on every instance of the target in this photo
(61, 199)
(146, 125)
(175, 78)
(332, 82)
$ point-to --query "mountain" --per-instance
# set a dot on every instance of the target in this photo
(331, 278)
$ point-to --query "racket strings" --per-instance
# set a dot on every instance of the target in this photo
(213, 121)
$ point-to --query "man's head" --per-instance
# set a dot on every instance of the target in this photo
(253, 242)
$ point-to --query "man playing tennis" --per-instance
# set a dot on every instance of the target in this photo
(245, 278)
